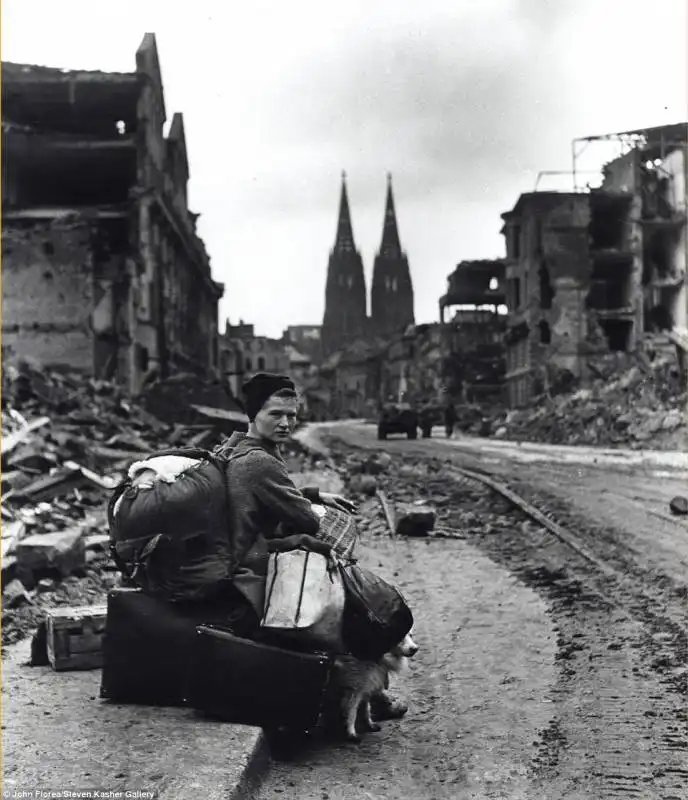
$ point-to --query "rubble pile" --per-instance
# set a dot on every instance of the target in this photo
(628, 404)
(67, 441)
(422, 499)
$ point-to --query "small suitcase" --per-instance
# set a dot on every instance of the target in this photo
(251, 683)
(147, 647)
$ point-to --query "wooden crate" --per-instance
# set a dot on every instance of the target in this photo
(75, 637)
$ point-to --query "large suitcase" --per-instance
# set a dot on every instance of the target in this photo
(147, 647)
(252, 683)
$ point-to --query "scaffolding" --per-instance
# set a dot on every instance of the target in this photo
(658, 139)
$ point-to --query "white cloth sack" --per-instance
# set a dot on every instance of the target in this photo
(304, 596)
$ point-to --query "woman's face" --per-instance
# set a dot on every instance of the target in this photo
(276, 419)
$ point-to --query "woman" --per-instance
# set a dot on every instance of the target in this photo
(265, 503)
(266, 507)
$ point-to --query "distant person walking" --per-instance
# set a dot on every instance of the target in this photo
(449, 419)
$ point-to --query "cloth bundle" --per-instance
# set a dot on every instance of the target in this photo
(338, 529)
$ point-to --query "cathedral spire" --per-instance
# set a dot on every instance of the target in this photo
(392, 293)
(391, 246)
(345, 317)
(345, 234)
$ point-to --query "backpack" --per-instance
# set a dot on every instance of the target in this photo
(376, 615)
(173, 539)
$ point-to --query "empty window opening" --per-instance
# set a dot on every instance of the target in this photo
(608, 292)
(618, 333)
(261, 363)
(656, 194)
(546, 291)
(516, 242)
(78, 177)
(607, 228)
(516, 292)
(143, 358)
(658, 318)
(249, 365)
(94, 110)
(545, 332)
(48, 248)
(657, 256)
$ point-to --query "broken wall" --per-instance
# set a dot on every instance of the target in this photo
(558, 330)
(621, 174)
(48, 294)
(676, 165)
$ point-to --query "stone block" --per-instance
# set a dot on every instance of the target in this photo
(415, 520)
(97, 541)
(363, 484)
(62, 551)
(679, 505)
(378, 464)
(15, 594)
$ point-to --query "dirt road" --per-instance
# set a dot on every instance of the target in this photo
(539, 676)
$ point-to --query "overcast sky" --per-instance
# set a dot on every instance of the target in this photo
(464, 101)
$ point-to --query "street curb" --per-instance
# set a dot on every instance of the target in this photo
(257, 767)
(105, 743)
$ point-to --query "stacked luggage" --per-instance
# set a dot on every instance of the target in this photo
(171, 639)
(167, 654)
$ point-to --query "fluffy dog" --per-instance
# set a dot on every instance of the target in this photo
(357, 681)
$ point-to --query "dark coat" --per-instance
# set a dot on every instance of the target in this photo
(265, 505)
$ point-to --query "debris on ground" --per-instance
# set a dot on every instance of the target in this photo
(679, 505)
(415, 520)
(630, 402)
(188, 400)
(67, 441)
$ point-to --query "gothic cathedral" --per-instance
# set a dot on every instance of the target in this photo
(345, 295)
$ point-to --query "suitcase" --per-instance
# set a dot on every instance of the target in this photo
(252, 683)
(147, 647)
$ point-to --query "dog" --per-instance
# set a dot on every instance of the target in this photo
(356, 682)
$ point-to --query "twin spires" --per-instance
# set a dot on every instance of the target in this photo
(391, 298)
(344, 241)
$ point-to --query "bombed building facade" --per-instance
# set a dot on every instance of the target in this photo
(474, 367)
(103, 270)
(589, 272)
(243, 354)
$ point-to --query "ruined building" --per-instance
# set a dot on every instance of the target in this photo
(473, 349)
(599, 270)
(243, 354)
(103, 271)
(346, 316)
(392, 289)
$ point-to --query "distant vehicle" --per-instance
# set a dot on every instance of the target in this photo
(430, 415)
(397, 418)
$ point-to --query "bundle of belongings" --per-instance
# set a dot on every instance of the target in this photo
(328, 624)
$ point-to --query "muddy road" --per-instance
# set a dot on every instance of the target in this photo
(542, 673)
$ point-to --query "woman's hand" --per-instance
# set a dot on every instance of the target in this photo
(338, 502)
